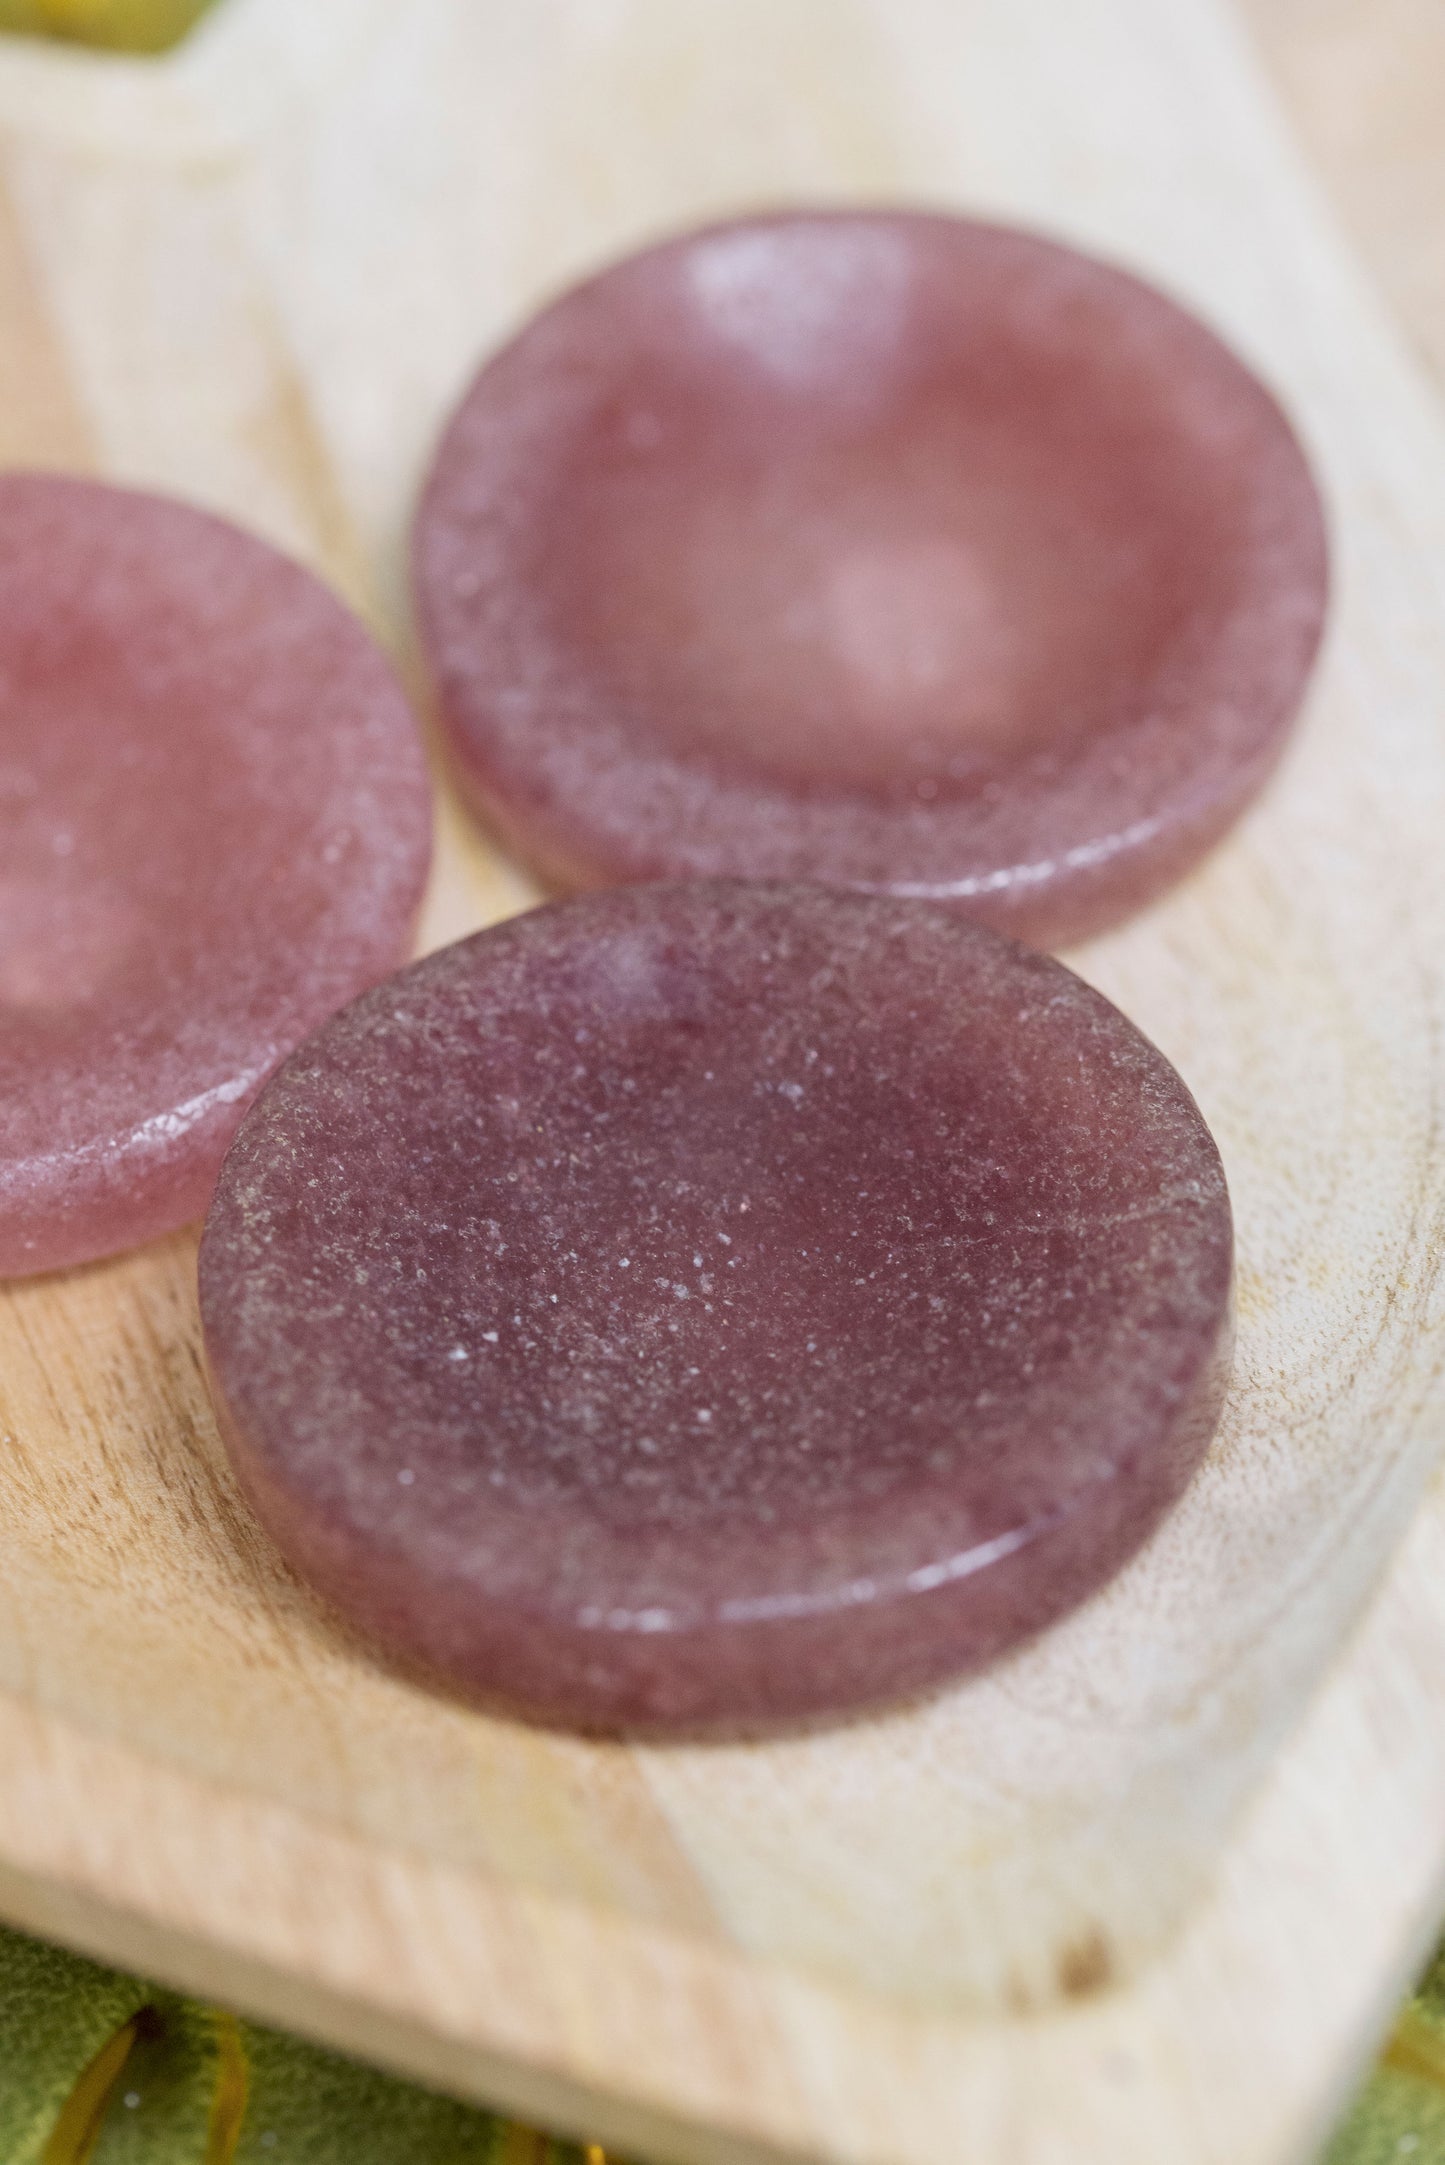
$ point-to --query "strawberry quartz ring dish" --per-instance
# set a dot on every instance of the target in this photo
(708, 1306)
(887, 549)
(215, 826)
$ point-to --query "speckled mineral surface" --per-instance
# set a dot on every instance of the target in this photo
(214, 829)
(700, 1306)
(895, 551)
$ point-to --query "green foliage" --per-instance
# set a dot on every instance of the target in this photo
(57, 2014)
(1399, 2116)
(309, 2106)
(135, 26)
(97, 2069)
(163, 2103)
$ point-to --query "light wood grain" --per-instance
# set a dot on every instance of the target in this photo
(1113, 1900)
(1365, 83)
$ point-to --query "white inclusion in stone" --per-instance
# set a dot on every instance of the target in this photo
(489, 1337)
(804, 301)
(704, 1415)
(459, 1353)
(405, 1477)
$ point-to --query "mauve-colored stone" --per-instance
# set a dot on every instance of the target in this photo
(214, 830)
(702, 1306)
(889, 550)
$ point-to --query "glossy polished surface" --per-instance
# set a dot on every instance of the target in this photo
(214, 830)
(701, 1306)
(890, 550)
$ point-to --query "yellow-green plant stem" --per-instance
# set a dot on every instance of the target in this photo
(83, 2114)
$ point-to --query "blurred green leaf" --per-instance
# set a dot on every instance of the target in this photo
(59, 2017)
(313, 2108)
(134, 26)
(1399, 2116)
(163, 2107)
(97, 2069)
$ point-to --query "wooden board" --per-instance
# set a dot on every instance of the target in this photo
(1145, 1892)
(1365, 84)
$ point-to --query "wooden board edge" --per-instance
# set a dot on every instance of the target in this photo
(483, 2031)
(597, 2026)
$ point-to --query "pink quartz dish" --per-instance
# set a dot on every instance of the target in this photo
(889, 550)
(689, 1308)
(214, 829)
